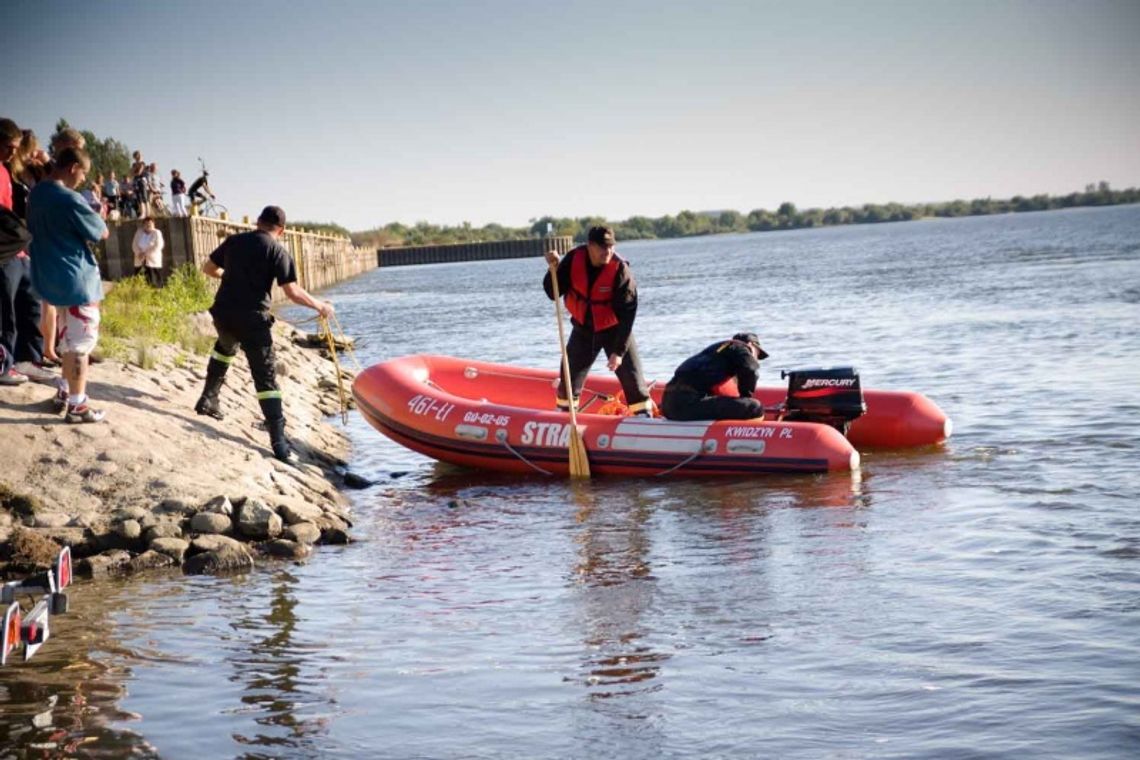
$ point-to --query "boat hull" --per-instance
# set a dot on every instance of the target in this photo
(498, 417)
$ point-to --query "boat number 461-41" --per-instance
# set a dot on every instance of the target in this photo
(426, 406)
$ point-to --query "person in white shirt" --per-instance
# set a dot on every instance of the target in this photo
(178, 197)
(147, 245)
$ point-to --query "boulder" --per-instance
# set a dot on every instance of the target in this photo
(334, 536)
(303, 533)
(175, 507)
(175, 548)
(103, 565)
(219, 505)
(130, 513)
(149, 560)
(286, 549)
(163, 529)
(212, 543)
(352, 480)
(227, 559)
(294, 511)
(256, 520)
(329, 521)
(128, 530)
(210, 522)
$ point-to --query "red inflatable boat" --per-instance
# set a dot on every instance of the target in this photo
(500, 417)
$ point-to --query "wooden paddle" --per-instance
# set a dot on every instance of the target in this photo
(579, 465)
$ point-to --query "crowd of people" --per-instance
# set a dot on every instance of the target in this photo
(50, 285)
(51, 290)
(142, 193)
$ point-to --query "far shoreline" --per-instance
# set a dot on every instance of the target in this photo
(687, 224)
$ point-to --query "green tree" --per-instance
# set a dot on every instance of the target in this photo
(730, 221)
(762, 220)
(107, 154)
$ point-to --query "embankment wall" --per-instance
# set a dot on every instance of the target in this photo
(441, 254)
(322, 260)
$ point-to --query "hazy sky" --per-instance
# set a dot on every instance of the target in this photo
(368, 112)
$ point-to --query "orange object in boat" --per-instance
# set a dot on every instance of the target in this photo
(501, 417)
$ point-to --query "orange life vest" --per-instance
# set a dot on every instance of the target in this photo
(598, 299)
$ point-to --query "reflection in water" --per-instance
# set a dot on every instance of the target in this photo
(64, 701)
(271, 675)
(615, 586)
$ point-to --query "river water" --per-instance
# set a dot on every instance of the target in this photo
(978, 600)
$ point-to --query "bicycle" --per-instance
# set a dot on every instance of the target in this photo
(202, 198)
(209, 207)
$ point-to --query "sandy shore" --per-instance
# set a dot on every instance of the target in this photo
(156, 484)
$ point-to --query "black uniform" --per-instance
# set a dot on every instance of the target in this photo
(688, 396)
(583, 345)
(250, 264)
(196, 192)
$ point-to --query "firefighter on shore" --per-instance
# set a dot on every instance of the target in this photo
(601, 296)
(691, 395)
(248, 264)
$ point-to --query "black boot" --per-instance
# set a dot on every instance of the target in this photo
(208, 405)
(282, 449)
(215, 378)
(275, 424)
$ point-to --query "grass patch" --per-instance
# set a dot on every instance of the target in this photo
(21, 505)
(136, 317)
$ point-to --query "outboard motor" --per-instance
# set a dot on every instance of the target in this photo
(831, 396)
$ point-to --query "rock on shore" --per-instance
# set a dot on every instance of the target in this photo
(156, 485)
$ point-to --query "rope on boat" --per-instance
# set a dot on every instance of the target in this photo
(682, 463)
(511, 449)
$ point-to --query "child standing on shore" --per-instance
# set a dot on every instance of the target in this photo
(65, 274)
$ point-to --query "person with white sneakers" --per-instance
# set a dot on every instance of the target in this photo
(65, 274)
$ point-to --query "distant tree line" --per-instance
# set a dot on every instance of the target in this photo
(422, 233)
(324, 228)
(693, 223)
(107, 154)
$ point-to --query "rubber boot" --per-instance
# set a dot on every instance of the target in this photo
(275, 424)
(215, 379)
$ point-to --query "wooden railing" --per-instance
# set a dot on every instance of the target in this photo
(322, 260)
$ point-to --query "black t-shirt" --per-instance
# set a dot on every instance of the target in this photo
(250, 263)
(717, 363)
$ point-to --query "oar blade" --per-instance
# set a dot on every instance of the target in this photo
(579, 464)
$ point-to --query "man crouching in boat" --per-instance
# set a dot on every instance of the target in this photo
(689, 395)
(601, 296)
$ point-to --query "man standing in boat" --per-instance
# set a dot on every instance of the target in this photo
(691, 395)
(248, 264)
(601, 296)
